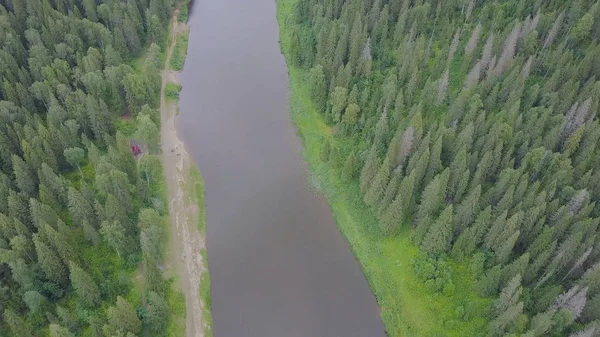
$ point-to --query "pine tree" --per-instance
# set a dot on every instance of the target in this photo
(17, 325)
(58, 243)
(468, 209)
(338, 101)
(378, 184)
(349, 169)
(438, 237)
(122, 318)
(433, 196)
(84, 285)
(157, 314)
(318, 87)
(390, 191)
(25, 180)
(394, 216)
(369, 169)
(58, 331)
(50, 262)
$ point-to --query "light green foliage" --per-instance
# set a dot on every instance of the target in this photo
(16, 324)
(148, 132)
(318, 87)
(157, 313)
(75, 156)
(338, 98)
(407, 307)
(84, 285)
(178, 57)
(50, 262)
(114, 234)
(349, 169)
(58, 331)
(172, 91)
(505, 120)
(122, 318)
(438, 237)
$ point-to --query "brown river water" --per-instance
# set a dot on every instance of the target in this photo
(279, 266)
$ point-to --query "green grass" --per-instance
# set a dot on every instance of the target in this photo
(177, 305)
(408, 307)
(197, 182)
(194, 190)
(205, 296)
(172, 91)
(178, 57)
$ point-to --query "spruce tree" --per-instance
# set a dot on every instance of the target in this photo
(122, 318)
(17, 325)
(378, 184)
(349, 169)
(369, 169)
(50, 262)
(438, 237)
(157, 314)
(25, 180)
(84, 285)
(433, 196)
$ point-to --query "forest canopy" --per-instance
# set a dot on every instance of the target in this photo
(471, 126)
(80, 217)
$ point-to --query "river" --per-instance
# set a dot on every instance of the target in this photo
(279, 266)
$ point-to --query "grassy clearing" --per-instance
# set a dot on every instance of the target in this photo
(178, 57)
(408, 307)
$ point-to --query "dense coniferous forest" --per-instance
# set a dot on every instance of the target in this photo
(472, 128)
(81, 219)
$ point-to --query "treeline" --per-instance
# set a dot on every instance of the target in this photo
(79, 215)
(474, 124)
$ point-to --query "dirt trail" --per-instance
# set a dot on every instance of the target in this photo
(186, 241)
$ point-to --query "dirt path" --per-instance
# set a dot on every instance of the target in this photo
(186, 241)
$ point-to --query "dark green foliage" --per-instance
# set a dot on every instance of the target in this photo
(122, 318)
(484, 109)
(178, 57)
(84, 285)
(349, 169)
(64, 80)
(157, 313)
(172, 90)
(435, 272)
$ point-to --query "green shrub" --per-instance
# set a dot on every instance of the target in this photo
(178, 57)
(183, 14)
(172, 91)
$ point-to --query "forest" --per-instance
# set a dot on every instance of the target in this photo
(82, 221)
(469, 130)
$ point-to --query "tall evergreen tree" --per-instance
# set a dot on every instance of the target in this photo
(84, 285)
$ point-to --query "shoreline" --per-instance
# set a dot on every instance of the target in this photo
(407, 307)
(187, 243)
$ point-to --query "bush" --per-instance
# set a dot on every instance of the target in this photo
(435, 274)
(178, 57)
(183, 14)
(172, 90)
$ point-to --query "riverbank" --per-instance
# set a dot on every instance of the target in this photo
(185, 190)
(408, 307)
